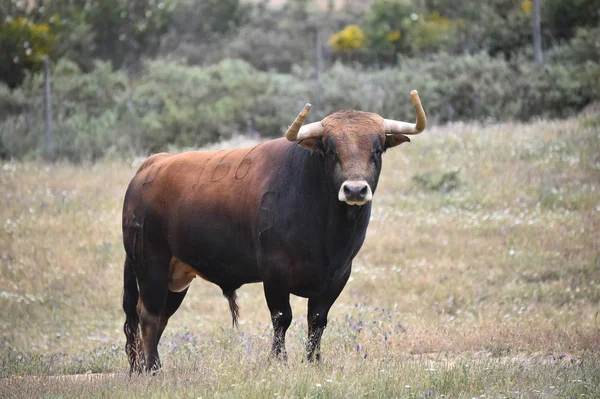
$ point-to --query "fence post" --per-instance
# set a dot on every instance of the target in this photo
(318, 68)
(48, 138)
(537, 32)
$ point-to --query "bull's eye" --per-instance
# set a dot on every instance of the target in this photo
(377, 151)
(331, 155)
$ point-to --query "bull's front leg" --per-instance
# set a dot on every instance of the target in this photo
(318, 309)
(278, 301)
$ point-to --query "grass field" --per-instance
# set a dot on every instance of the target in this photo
(480, 277)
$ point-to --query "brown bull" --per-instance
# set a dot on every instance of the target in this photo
(291, 214)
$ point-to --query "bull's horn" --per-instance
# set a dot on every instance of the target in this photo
(398, 127)
(314, 129)
(292, 132)
(297, 132)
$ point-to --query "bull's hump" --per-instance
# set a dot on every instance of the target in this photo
(153, 160)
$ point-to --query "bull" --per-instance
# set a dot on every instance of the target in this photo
(291, 213)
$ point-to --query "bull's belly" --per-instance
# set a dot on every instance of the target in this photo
(224, 272)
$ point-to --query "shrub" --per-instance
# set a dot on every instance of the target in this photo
(173, 104)
(562, 18)
(192, 106)
(11, 102)
(586, 45)
(83, 104)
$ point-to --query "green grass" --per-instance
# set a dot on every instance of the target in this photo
(480, 277)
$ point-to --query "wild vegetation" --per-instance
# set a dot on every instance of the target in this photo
(136, 77)
(480, 277)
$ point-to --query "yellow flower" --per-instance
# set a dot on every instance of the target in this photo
(350, 38)
(393, 36)
(527, 6)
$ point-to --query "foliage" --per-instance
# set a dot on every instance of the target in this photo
(11, 102)
(275, 39)
(433, 33)
(561, 19)
(84, 105)
(387, 23)
(507, 27)
(171, 103)
(23, 45)
(110, 30)
(586, 45)
(397, 27)
(201, 30)
(208, 19)
(351, 37)
(126, 30)
(471, 87)
(189, 106)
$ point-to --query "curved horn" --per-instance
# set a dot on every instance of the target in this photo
(398, 127)
(297, 132)
(314, 129)
(292, 133)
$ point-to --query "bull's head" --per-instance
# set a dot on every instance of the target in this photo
(352, 143)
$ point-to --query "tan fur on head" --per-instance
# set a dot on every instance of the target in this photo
(353, 122)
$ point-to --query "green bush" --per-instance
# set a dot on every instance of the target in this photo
(83, 106)
(562, 18)
(586, 45)
(11, 102)
(21, 136)
(173, 104)
(191, 106)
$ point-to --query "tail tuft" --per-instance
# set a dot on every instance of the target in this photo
(233, 306)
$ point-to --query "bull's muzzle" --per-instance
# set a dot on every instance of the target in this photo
(355, 192)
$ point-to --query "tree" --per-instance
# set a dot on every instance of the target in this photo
(23, 46)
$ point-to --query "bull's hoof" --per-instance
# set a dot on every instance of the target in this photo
(280, 355)
(313, 358)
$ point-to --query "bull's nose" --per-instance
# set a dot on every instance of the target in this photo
(357, 192)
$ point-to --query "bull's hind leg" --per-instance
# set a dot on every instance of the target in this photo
(318, 309)
(131, 326)
(153, 284)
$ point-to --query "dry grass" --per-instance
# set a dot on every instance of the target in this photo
(480, 276)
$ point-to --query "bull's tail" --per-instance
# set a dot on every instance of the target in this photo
(233, 306)
(131, 326)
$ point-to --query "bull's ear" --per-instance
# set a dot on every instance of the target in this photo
(313, 144)
(392, 140)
